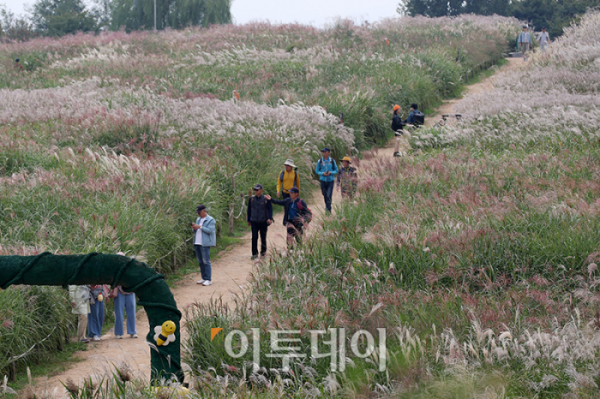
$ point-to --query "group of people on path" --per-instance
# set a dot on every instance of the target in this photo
(525, 42)
(415, 118)
(88, 302)
(259, 211)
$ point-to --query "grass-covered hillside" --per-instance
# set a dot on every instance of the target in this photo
(108, 142)
(479, 257)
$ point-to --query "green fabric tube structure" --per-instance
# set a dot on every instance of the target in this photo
(134, 276)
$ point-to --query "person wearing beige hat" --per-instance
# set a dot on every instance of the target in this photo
(287, 179)
(346, 179)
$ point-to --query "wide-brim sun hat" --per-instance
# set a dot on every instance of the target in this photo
(346, 159)
(289, 162)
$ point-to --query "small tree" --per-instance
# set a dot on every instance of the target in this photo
(15, 27)
(177, 14)
(62, 17)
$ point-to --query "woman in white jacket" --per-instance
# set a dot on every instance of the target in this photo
(80, 300)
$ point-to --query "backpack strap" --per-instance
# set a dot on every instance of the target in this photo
(281, 176)
(295, 178)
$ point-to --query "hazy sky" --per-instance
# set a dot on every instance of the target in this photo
(316, 12)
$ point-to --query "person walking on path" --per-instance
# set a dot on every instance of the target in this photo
(260, 217)
(346, 179)
(205, 237)
(397, 128)
(287, 179)
(326, 169)
(525, 42)
(80, 300)
(544, 40)
(296, 215)
(124, 302)
(96, 316)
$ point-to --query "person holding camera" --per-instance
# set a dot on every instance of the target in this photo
(205, 236)
(259, 217)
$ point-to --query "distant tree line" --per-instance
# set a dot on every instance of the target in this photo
(62, 17)
(552, 14)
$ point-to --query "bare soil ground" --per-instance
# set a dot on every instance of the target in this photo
(230, 270)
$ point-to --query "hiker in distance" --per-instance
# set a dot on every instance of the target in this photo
(287, 179)
(415, 117)
(205, 236)
(296, 215)
(525, 42)
(346, 179)
(544, 39)
(326, 169)
(397, 128)
(260, 217)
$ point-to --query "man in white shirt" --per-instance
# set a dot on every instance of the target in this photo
(544, 40)
(205, 237)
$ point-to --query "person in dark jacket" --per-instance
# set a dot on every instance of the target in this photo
(260, 217)
(397, 128)
(295, 211)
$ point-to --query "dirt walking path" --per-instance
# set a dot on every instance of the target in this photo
(230, 270)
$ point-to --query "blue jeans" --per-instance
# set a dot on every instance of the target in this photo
(96, 319)
(125, 303)
(327, 191)
(203, 256)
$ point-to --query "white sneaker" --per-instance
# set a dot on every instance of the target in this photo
(118, 336)
(97, 338)
(200, 282)
(133, 335)
(207, 283)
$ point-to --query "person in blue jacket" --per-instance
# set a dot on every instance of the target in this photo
(327, 169)
(205, 237)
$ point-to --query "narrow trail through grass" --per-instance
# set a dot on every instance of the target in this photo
(231, 269)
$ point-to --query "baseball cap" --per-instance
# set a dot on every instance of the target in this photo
(294, 190)
(257, 187)
(200, 208)
(326, 149)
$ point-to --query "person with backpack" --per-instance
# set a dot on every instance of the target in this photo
(346, 179)
(259, 217)
(326, 169)
(296, 215)
(415, 117)
(288, 178)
